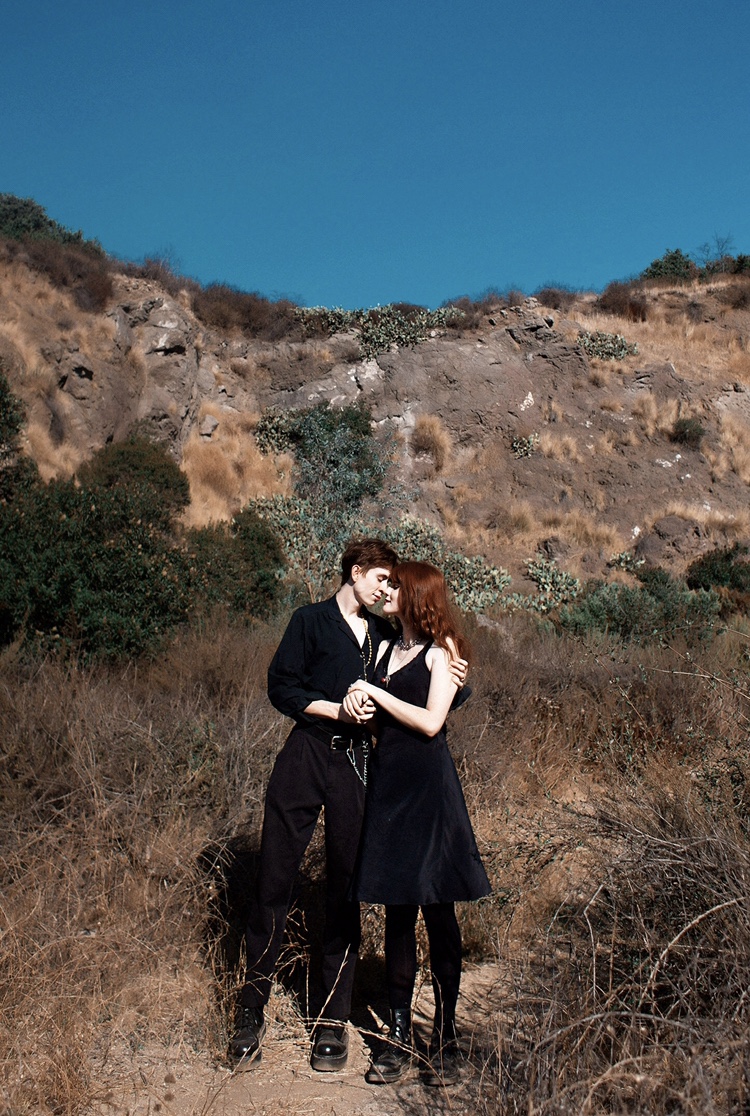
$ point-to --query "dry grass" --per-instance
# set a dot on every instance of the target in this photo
(656, 416)
(717, 524)
(431, 437)
(131, 801)
(227, 469)
(732, 455)
(559, 447)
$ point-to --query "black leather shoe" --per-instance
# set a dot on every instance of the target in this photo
(445, 1059)
(244, 1045)
(394, 1059)
(330, 1048)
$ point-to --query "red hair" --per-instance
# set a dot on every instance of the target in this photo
(424, 605)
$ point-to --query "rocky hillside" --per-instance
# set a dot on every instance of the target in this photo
(510, 434)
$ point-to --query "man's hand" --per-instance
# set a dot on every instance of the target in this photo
(458, 668)
(357, 707)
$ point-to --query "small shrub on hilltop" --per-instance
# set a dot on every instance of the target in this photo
(83, 271)
(225, 308)
(673, 266)
(606, 346)
(624, 301)
(399, 324)
(25, 219)
(558, 298)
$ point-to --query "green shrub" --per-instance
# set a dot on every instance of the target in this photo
(83, 567)
(556, 586)
(659, 610)
(524, 446)
(236, 565)
(338, 461)
(725, 568)
(688, 432)
(147, 471)
(606, 346)
(401, 324)
(475, 584)
(674, 265)
(25, 219)
(17, 472)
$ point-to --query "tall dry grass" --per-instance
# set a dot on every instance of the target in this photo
(227, 470)
(608, 791)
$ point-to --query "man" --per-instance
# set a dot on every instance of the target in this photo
(323, 763)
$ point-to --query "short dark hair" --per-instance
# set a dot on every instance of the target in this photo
(367, 553)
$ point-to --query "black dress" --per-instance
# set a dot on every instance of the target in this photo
(417, 843)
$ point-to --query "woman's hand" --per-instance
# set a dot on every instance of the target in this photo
(458, 668)
(357, 705)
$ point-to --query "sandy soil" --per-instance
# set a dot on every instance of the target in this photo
(185, 1083)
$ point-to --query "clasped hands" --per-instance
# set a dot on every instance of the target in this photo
(359, 707)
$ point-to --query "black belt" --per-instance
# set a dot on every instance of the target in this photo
(338, 741)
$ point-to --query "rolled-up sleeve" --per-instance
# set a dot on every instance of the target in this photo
(289, 675)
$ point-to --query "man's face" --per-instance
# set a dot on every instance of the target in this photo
(369, 585)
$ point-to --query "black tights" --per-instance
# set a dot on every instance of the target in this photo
(444, 937)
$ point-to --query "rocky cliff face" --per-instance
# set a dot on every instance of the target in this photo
(509, 435)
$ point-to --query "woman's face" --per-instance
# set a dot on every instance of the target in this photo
(390, 600)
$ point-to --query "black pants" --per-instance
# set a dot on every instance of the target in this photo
(307, 775)
(444, 936)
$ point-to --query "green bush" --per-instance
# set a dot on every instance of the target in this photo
(236, 565)
(524, 447)
(338, 461)
(555, 586)
(723, 568)
(25, 219)
(688, 432)
(658, 610)
(83, 567)
(475, 584)
(673, 265)
(381, 327)
(144, 469)
(606, 346)
(16, 471)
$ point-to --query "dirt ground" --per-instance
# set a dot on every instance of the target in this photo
(185, 1083)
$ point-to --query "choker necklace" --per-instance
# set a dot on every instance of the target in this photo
(408, 644)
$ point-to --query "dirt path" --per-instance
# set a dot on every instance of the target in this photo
(185, 1083)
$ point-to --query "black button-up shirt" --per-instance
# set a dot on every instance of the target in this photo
(319, 658)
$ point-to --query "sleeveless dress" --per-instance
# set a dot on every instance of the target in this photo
(417, 844)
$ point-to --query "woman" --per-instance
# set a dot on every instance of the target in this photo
(418, 849)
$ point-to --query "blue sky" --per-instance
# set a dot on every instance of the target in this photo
(358, 154)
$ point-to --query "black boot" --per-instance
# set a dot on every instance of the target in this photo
(395, 1056)
(445, 1057)
(244, 1045)
(330, 1048)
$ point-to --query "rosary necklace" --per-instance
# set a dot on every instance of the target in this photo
(367, 641)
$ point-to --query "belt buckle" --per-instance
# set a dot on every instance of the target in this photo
(337, 739)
